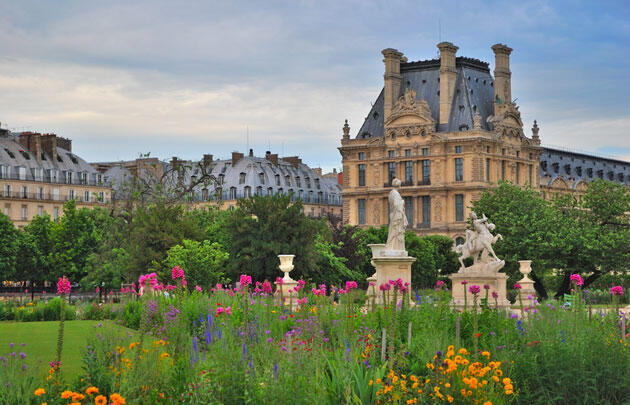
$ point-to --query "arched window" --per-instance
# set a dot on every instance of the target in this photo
(261, 178)
(287, 180)
(241, 178)
(270, 191)
(259, 191)
(248, 191)
(277, 179)
(232, 193)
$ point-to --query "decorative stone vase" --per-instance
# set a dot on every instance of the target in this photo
(377, 249)
(527, 284)
(286, 265)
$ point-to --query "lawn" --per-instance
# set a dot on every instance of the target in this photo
(41, 342)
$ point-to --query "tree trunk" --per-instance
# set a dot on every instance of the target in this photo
(539, 287)
(565, 286)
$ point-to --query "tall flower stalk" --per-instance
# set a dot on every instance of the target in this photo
(474, 290)
(518, 287)
(617, 292)
(63, 288)
(465, 295)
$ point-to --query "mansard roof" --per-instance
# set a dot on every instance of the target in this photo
(474, 91)
(575, 167)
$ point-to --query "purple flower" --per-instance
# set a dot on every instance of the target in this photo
(22, 355)
(269, 340)
(11, 345)
(474, 289)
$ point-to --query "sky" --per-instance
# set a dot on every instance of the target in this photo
(187, 78)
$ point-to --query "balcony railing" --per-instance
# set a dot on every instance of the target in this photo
(58, 180)
(227, 195)
(18, 195)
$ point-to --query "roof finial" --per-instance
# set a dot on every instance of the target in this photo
(477, 120)
(346, 130)
(535, 130)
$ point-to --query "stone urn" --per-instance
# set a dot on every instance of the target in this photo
(377, 249)
(525, 268)
(286, 265)
(527, 285)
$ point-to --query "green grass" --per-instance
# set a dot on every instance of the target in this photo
(41, 342)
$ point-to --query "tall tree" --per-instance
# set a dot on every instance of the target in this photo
(8, 248)
(262, 228)
(35, 247)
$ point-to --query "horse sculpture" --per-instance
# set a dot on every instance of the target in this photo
(478, 241)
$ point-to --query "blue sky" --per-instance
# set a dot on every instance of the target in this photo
(184, 78)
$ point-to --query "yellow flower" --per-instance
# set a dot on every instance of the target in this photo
(447, 385)
(91, 390)
(66, 394)
(100, 400)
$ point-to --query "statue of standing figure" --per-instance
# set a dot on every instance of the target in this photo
(397, 220)
(479, 240)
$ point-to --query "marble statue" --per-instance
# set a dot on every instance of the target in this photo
(397, 220)
(478, 245)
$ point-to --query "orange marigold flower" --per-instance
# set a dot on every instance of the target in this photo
(486, 353)
(450, 398)
(487, 403)
(66, 394)
(117, 399)
(39, 391)
(78, 397)
(100, 400)
(91, 390)
(506, 381)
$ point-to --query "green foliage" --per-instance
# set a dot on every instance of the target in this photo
(35, 247)
(576, 236)
(262, 228)
(202, 262)
(8, 248)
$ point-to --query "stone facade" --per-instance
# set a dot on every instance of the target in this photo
(449, 130)
(39, 172)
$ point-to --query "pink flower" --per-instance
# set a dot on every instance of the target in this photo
(517, 286)
(63, 286)
(184, 282)
(279, 280)
(245, 280)
(198, 288)
(617, 290)
(439, 284)
(266, 287)
(495, 295)
(177, 272)
(98, 290)
(170, 287)
(577, 279)
(486, 287)
(474, 289)
(350, 285)
(385, 287)
(464, 282)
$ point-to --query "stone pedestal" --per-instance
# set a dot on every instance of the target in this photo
(389, 267)
(288, 284)
(527, 284)
(496, 281)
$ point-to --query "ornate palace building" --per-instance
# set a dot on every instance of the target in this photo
(449, 130)
(38, 172)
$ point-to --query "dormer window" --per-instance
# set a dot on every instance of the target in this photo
(298, 182)
(308, 182)
(261, 178)
(72, 158)
(221, 178)
(241, 178)
(317, 184)
(277, 179)
(287, 180)
(5, 171)
(25, 154)
(59, 159)
(11, 155)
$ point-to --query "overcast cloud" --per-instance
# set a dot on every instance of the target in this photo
(183, 78)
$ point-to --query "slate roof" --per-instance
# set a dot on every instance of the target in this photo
(575, 167)
(473, 91)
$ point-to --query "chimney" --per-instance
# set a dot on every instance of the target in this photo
(64, 143)
(236, 156)
(392, 79)
(318, 170)
(293, 160)
(448, 75)
(502, 75)
(272, 158)
(251, 153)
(207, 160)
(33, 143)
(49, 146)
(175, 162)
